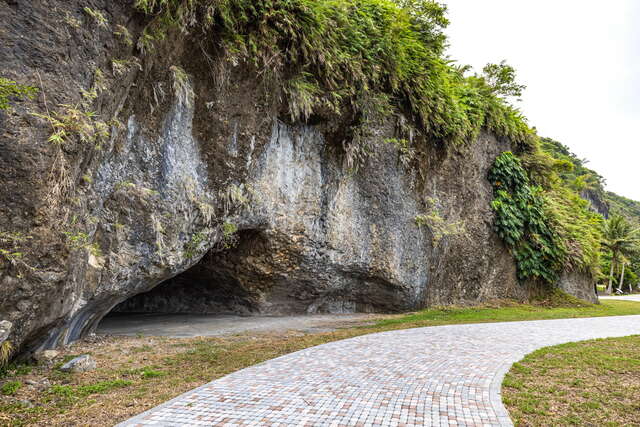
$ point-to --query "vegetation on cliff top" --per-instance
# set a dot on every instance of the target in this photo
(365, 60)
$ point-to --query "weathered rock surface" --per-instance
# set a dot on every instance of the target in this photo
(46, 357)
(203, 189)
(5, 330)
(596, 200)
(576, 284)
(82, 363)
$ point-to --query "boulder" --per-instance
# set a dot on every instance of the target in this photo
(45, 356)
(5, 330)
(82, 363)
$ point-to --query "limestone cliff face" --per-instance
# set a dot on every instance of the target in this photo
(596, 200)
(203, 199)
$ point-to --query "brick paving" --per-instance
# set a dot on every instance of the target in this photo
(435, 376)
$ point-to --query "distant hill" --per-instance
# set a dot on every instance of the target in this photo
(590, 184)
(623, 206)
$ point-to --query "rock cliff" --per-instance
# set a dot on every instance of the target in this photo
(187, 193)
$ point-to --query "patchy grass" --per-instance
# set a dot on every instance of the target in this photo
(10, 388)
(514, 312)
(589, 383)
(137, 373)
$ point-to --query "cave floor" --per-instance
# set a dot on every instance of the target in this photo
(195, 325)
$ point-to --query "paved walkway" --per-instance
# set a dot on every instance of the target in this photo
(635, 297)
(436, 376)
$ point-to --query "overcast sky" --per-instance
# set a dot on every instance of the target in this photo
(580, 60)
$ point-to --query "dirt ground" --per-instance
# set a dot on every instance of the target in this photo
(191, 325)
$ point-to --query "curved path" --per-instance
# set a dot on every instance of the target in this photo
(634, 297)
(436, 376)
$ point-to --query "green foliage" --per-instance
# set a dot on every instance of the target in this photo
(572, 170)
(229, 238)
(80, 391)
(10, 89)
(501, 79)
(356, 60)
(574, 177)
(73, 121)
(194, 245)
(405, 150)
(123, 33)
(578, 227)
(80, 240)
(522, 221)
(618, 234)
(621, 239)
(6, 348)
(437, 224)
(619, 205)
(181, 84)
(11, 247)
(97, 16)
(150, 372)
(10, 388)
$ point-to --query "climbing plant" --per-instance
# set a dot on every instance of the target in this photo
(522, 223)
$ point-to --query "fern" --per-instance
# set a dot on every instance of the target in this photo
(337, 58)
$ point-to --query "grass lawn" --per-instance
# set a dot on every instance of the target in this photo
(590, 383)
(135, 374)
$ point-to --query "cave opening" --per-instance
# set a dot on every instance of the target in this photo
(211, 286)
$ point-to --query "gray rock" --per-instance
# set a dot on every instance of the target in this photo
(26, 403)
(46, 356)
(5, 330)
(82, 363)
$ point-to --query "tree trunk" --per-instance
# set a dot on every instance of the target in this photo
(621, 278)
(610, 287)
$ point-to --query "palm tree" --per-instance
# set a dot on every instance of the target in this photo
(621, 239)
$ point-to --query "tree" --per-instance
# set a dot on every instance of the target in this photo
(430, 19)
(621, 239)
(501, 78)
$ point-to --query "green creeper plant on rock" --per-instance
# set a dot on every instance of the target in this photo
(10, 89)
(522, 223)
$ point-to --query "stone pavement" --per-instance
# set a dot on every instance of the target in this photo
(435, 376)
(634, 297)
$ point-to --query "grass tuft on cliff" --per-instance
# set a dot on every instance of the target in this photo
(364, 60)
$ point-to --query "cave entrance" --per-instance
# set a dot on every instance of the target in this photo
(206, 298)
(205, 288)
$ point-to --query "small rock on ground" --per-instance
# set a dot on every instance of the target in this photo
(82, 363)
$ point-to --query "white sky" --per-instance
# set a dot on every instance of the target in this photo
(580, 60)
